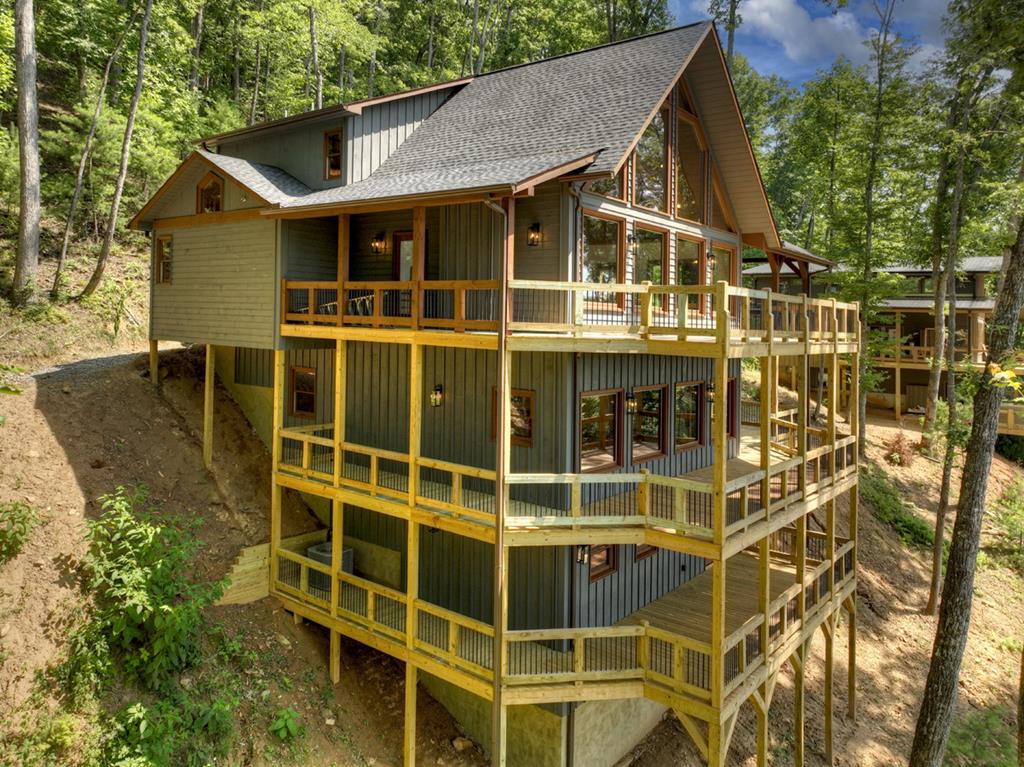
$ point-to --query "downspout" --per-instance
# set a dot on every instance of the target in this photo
(499, 494)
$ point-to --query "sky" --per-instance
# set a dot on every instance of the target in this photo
(794, 38)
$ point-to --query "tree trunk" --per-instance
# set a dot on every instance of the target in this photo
(126, 147)
(255, 85)
(23, 284)
(939, 698)
(197, 36)
(378, 12)
(1020, 712)
(730, 27)
(86, 152)
(314, 55)
(341, 73)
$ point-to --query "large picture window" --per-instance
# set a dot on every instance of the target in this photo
(689, 255)
(689, 170)
(602, 254)
(650, 261)
(648, 423)
(651, 187)
(600, 435)
(720, 264)
(609, 187)
(689, 415)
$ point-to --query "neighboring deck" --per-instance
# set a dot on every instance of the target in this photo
(703, 321)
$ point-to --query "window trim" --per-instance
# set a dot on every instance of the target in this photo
(612, 563)
(160, 259)
(665, 110)
(620, 177)
(204, 183)
(618, 458)
(529, 394)
(292, 411)
(340, 133)
(620, 267)
(734, 266)
(642, 551)
(702, 266)
(702, 405)
(397, 238)
(698, 132)
(663, 388)
(666, 235)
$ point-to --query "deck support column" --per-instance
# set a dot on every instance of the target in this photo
(798, 659)
(409, 744)
(762, 725)
(275, 459)
(208, 408)
(154, 362)
(897, 397)
(828, 629)
(335, 659)
(716, 750)
(851, 668)
(720, 443)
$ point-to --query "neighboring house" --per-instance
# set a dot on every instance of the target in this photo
(493, 334)
(791, 270)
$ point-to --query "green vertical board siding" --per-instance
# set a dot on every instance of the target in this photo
(310, 248)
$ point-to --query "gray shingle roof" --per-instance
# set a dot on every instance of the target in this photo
(511, 124)
(985, 264)
(927, 303)
(271, 183)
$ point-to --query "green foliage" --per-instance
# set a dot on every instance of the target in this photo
(889, 508)
(147, 612)
(982, 738)
(1007, 514)
(6, 387)
(286, 724)
(16, 521)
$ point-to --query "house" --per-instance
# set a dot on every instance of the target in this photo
(493, 332)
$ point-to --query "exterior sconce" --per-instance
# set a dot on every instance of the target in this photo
(711, 391)
(533, 235)
(582, 555)
(437, 396)
(378, 244)
(631, 238)
(631, 404)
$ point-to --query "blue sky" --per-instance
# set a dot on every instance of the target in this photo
(793, 38)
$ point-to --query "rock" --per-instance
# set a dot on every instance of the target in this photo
(283, 640)
(4, 629)
(66, 389)
(329, 721)
(163, 372)
(97, 463)
(460, 744)
(39, 563)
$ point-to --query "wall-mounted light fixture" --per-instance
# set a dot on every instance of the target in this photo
(631, 403)
(437, 396)
(711, 391)
(631, 238)
(582, 554)
(533, 235)
(379, 244)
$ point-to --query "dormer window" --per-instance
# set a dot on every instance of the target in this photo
(210, 194)
(333, 148)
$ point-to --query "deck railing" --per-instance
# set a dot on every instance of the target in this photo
(644, 310)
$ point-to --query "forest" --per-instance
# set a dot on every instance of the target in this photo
(908, 158)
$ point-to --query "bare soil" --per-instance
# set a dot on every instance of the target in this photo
(81, 429)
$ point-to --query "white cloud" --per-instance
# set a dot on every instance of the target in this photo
(805, 38)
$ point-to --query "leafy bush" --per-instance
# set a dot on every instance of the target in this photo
(982, 739)
(1011, 447)
(16, 522)
(890, 509)
(1008, 516)
(899, 451)
(286, 724)
(147, 611)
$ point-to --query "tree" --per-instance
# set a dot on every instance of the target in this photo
(23, 284)
(126, 146)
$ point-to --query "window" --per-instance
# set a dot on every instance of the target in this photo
(643, 550)
(689, 254)
(649, 423)
(333, 148)
(163, 265)
(600, 437)
(720, 264)
(650, 178)
(689, 169)
(689, 415)
(521, 421)
(401, 249)
(602, 251)
(609, 187)
(649, 262)
(210, 194)
(303, 392)
(603, 561)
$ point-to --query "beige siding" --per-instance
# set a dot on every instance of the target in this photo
(181, 199)
(223, 288)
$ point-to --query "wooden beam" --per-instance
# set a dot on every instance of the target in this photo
(829, 661)
(207, 219)
(419, 259)
(154, 362)
(762, 728)
(208, 408)
(335, 656)
(798, 704)
(409, 743)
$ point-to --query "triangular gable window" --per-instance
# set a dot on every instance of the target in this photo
(210, 194)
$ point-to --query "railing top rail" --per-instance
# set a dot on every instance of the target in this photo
(300, 284)
(455, 468)
(379, 285)
(524, 635)
(454, 617)
(377, 588)
(393, 455)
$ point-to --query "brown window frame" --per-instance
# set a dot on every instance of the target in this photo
(702, 267)
(620, 266)
(529, 394)
(611, 565)
(327, 154)
(702, 404)
(397, 238)
(204, 183)
(620, 180)
(682, 114)
(292, 410)
(658, 303)
(666, 116)
(617, 460)
(661, 452)
(643, 551)
(161, 259)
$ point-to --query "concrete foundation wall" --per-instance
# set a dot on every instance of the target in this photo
(604, 731)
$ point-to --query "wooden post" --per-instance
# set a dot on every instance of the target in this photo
(799, 658)
(409, 747)
(154, 362)
(762, 726)
(419, 259)
(208, 408)
(897, 397)
(851, 668)
(716, 757)
(335, 651)
(828, 628)
(275, 459)
(412, 545)
(720, 457)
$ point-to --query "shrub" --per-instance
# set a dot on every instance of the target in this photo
(147, 610)
(899, 451)
(982, 739)
(1008, 516)
(890, 509)
(16, 522)
(286, 724)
